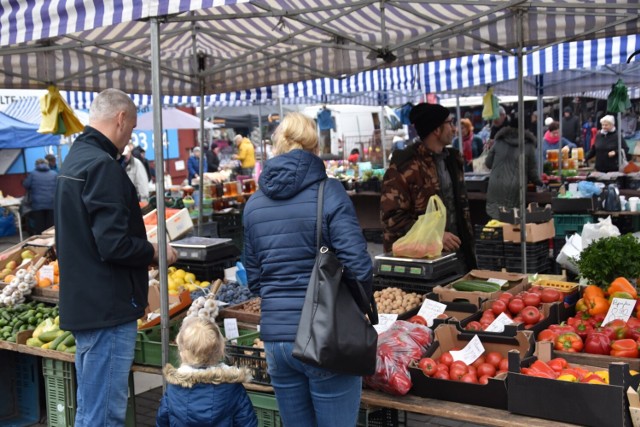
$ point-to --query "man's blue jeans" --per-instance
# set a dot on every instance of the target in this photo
(310, 396)
(103, 361)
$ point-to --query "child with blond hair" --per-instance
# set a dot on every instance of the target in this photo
(204, 391)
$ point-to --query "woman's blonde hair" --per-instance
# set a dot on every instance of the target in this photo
(466, 124)
(296, 131)
(200, 342)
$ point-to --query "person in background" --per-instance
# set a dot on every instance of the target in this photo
(571, 128)
(213, 161)
(41, 185)
(204, 391)
(551, 140)
(501, 122)
(629, 123)
(354, 156)
(140, 154)
(504, 179)
(472, 145)
(605, 148)
(246, 154)
(280, 250)
(104, 258)
(193, 165)
(51, 159)
(136, 172)
(532, 125)
(425, 169)
(588, 135)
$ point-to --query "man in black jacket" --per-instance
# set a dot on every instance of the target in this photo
(571, 128)
(104, 256)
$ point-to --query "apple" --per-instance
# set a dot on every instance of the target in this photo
(11, 265)
(27, 254)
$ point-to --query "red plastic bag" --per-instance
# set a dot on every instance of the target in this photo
(402, 343)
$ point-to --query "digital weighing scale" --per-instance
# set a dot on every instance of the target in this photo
(196, 248)
(422, 268)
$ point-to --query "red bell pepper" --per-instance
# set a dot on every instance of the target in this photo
(596, 320)
(597, 343)
(616, 329)
(541, 366)
(624, 348)
(570, 342)
(583, 328)
(562, 328)
(547, 335)
(558, 364)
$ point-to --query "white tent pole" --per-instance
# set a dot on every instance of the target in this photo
(521, 144)
(154, 27)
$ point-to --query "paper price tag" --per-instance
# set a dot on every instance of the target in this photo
(499, 324)
(470, 352)
(500, 282)
(620, 308)
(430, 310)
(231, 329)
(46, 272)
(384, 322)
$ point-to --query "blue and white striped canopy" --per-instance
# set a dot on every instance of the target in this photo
(229, 46)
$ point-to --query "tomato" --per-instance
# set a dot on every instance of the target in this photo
(473, 370)
(551, 295)
(506, 297)
(460, 364)
(441, 367)
(498, 306)
(486, 369)
(531, 315)
(483, 380)
(469, 378)
(417, 319)
(428, 366)
(547, 335)
(457, 372)
(531, 299)
(479, 361)
(474, 326)
(400, 382)
(516, 305)
(442, 375)
(536, 290)
(446, 358)
(494, 358)
(503, 365)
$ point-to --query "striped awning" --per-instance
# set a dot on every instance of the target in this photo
(229, 46)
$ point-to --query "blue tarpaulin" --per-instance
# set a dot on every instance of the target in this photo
(17, 134)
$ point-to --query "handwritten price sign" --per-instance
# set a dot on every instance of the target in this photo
(470, 352)
(430, 310)
(620, 308)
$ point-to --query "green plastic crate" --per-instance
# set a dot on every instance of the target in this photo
(569, 224)
(266, 408)
(60, 387)
(20, 389)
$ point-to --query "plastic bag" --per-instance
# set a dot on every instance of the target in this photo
(7, 223)
(593, 232)
(398, 346)
(424, 240)
(479, 163)
(570, 253)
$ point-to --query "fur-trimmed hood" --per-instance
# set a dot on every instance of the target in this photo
(510, 136)
(187, 376)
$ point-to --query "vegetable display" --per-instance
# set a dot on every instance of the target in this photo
(607, 258)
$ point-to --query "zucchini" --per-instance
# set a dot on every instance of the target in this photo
(71, 349)
(69, 340)
(476, 286)
(55, 343)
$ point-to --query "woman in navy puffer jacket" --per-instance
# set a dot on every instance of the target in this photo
(41, 183)
(280, 249)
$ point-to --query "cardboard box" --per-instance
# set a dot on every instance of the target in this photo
(178, 224)
(634, 406)
(578, 403)
(516, 282)
(456, 311)
(493, 394)
(535, 213)
(177, 304)
(534, 232)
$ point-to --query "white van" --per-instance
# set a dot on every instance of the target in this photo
(356, 126)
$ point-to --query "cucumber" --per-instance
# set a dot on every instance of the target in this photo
(50, 336)
(69, 340)
(71, 349)
(475, 285)
(55, 343)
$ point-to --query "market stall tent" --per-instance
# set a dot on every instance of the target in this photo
(18, 134)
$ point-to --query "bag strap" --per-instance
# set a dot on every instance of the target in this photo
(359, 296)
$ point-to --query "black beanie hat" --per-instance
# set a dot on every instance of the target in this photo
(427, 117)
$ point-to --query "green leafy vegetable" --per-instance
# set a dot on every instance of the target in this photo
(611, 257)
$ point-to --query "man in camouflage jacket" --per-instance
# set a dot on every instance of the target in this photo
(426, 168)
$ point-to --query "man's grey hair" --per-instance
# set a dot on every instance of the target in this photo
(237, 138)
(502, 111)
(109, 103)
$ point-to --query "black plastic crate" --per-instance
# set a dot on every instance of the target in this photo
(534, 265)
(489, 248)
(513, 250)
(408, 285)
(492, 263)
(487, 233)
(378, 417)
(207, 270)
(250, 357)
